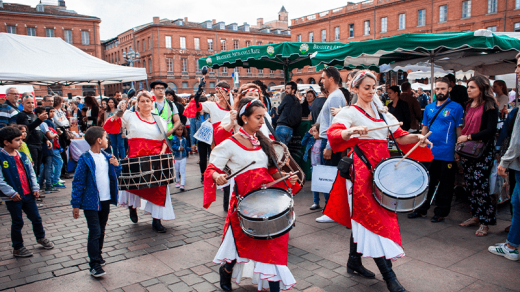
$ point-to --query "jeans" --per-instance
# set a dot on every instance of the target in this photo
(442, 172)
(284, 133)
(27, 205)
(180, 170)
(46, 173)
(316, 197)
(36, 155)
(118, 145)
(513, 238)
(57, 163)
(96, 222)
(194, 127)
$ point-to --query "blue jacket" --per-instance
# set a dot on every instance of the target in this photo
(506, 128)
(85, 194)
(176, 144)
(307, 141)
(10, 183)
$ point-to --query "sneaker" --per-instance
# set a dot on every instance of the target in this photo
(501, 250)
(61, 181)
(22, 253)
(41, 196)
(437, 219)
(315, 207)
(415, 214)
(182, 188)
(177, 185)
(97, 272)
(59, 185)
(103, 262)
(47, 244)
(324, 219)
(51, 190)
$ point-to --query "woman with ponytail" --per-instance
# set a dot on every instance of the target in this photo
(266, 259)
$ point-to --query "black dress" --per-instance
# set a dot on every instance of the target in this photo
(402, 113)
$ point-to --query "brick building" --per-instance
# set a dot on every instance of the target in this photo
(383, 18)
(46, 20)
(170, 49)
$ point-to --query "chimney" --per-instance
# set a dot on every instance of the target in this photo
(245, 23)
(185, 19)
(156, 19)
(214, 21)
(61, 3)
(259, 22)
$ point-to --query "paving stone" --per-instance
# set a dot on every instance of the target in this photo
(149, 282)
(23, 274)
(312, 257)
(318, 281)
(180, 287)
(58, 260)
(294, 259)
(117, 290)
(50, 268)
(13, 283)
(134, 288)
(74, 262)
(39, 277)
(204, 287)
(212, 277)
(158, 288)
(169, 279)
(200, 270)
(136, 247)
(191, 279)
(328, 264)
(65, 271)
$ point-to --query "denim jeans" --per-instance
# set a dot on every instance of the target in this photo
(284, 133)
(46, 173)
(96, 222)
(27, 205)
(513, 238)
(117, 144)
(316, 197)
(57, 163)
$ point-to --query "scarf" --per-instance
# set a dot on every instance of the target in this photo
(251, 138)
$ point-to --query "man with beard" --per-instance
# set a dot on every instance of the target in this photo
(444, 118)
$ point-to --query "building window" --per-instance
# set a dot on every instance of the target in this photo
(235, 45)
(517, 4)
(210, 44)
(11, 29)
(299, 38)
(85, 40)
(168, 42)
(443, 13)
(68, 36)
(492, 6)
(336, 33)
(402, 21)
(212, 84)
(138, 46)
(196, 42)
(149, 43)
(517, 27)
(259, 43)
(466, 9)
(367, 27)
(384, 22)
(143, 47)
(184, 65)
(183, 43)
(351, 30)
(311, 37)
(150, 66)
(224, 70)
(223, 46)
(49, 32)
(323, 35)
(185, 84)
(421, 21)
(492, 28)
(31, 31)
(169, 65)
(248, 44)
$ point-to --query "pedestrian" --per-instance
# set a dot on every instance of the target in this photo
(24, 148)
(444, 119)
(48, 164)
(180, 149)
(165, 108)
(61, 126)
(458, 93)
(289, 112)
(7, 112)
(422, 98)
(480, 124)
(11, 99)
(398, 107)
(413, 106)
(117, 143)
(94, 188)
(80, 105)
(500, 90)
(19, 188)
(312, 144)
(91, 116)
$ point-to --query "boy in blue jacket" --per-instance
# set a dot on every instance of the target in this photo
(20, 189)
(94, 188)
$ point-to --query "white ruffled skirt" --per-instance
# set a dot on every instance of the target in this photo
(260, 273)
(127, 199)
(370, 244)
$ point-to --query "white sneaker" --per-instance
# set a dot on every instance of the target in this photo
(177, 185)
(61, 181)
(324, 219)
(502, 251)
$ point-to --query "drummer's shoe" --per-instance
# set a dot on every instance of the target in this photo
(133, 214)
(437, 219)
(354, 264)
(385, 267)
(225, 278)
(324, 219)
(415, 214)
(315, 207)
(157, 226)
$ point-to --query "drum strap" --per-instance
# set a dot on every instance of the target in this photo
(434, 117)
(271, 129)
(157, 119)
(363, 158)
(392, 135)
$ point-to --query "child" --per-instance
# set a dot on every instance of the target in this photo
(19, 188)
(180, 149)
(312, 142)
(94, 188)
(24, 148)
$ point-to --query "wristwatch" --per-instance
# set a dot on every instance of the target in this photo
(468, 137)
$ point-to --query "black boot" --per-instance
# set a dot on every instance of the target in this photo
(133, 214)
(157, 226)
(385, 267)
(354, 262)
(225, 278)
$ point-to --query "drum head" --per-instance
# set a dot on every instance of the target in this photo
(280, 152)
(407, 180)
(265, 203)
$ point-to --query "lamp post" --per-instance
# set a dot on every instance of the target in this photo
(131, 58)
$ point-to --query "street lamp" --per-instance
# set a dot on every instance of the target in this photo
(131, 58)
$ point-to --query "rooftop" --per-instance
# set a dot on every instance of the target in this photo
(48, 10)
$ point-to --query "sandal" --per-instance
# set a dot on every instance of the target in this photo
(473, 221)
(482, 230)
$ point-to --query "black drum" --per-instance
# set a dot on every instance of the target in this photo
(147, 172)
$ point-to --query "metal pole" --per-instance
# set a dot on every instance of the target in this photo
(432, 76)
(100, 92)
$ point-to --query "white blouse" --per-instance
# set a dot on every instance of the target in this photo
(215, 112)
(139, 128)
(236, 157)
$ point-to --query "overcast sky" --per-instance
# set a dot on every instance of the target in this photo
(118, 15)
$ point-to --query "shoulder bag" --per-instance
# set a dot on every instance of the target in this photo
(471, 149)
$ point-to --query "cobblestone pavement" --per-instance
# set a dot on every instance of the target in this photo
(439, 257)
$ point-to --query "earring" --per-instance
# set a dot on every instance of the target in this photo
(246, 122)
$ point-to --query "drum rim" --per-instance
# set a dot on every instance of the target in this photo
(271, 217)
(291, 226)
(416, 193)
(425, 193)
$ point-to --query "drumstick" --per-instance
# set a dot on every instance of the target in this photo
(240, 170)
(387, 126)
(281, 179)
(410, 152)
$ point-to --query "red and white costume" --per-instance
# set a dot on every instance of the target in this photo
(144, 139)
(261, 260)
(216, 113)
(375, 229)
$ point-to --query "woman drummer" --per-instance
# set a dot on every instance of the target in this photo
(375, 230)
(144, 139)
(267, 258)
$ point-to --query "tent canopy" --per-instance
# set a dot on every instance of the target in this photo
(43, 60)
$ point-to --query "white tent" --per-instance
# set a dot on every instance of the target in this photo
(42, 60)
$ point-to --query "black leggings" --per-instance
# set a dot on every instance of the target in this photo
(273, 286)
(204, 152)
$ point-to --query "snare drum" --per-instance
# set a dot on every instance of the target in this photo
(286, 162)
(403, 188)
(266, 213)
(146, 172)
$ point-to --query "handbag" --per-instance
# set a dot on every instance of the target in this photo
(471, 149)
